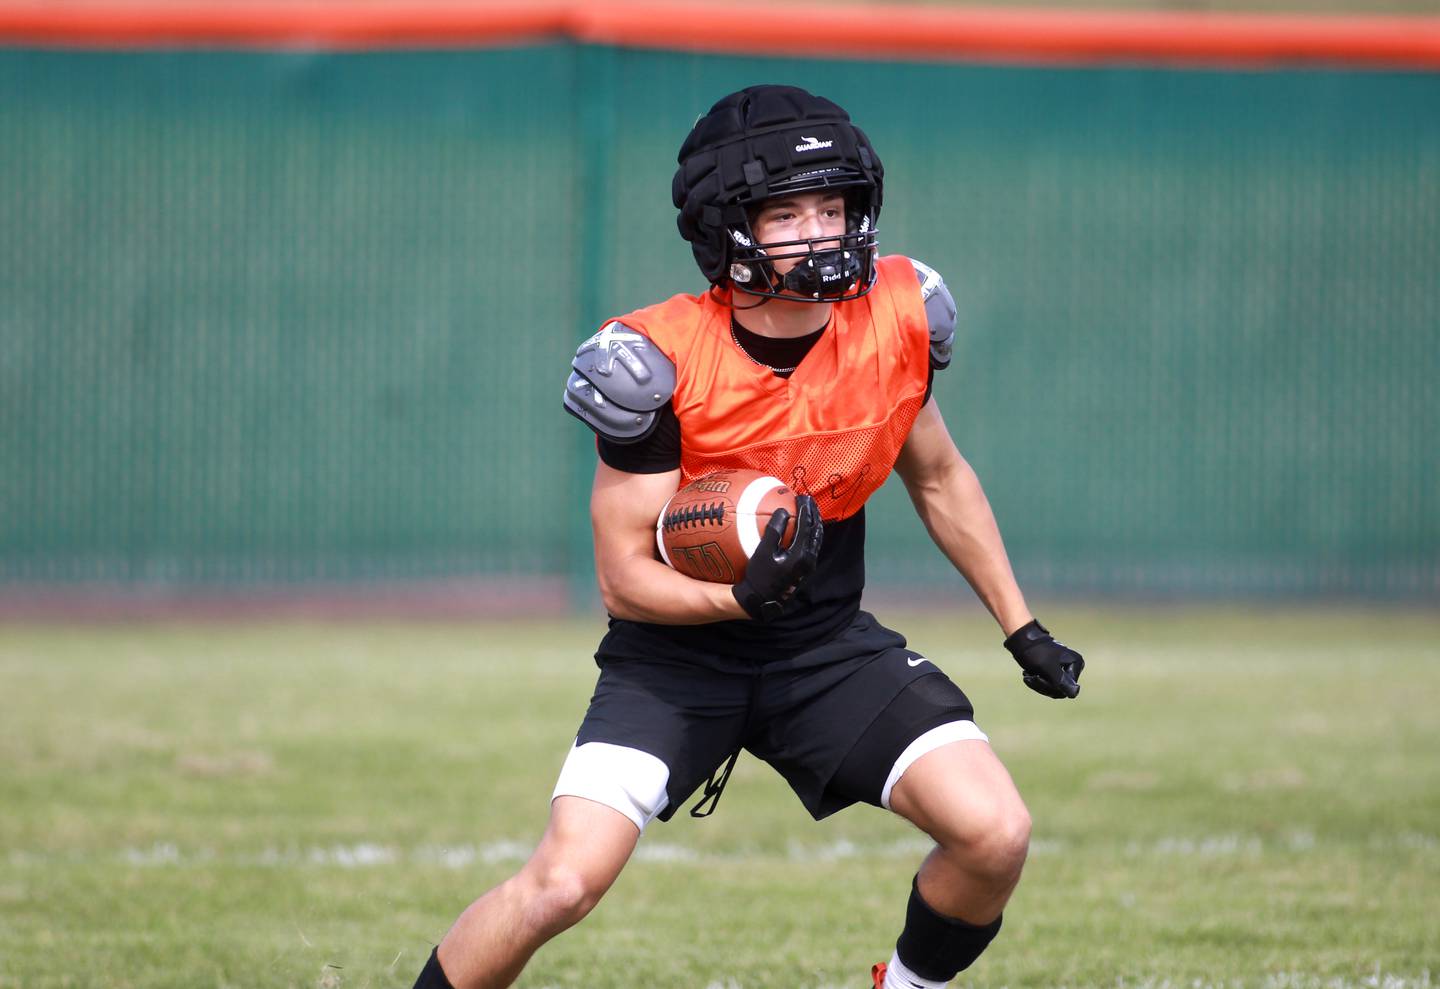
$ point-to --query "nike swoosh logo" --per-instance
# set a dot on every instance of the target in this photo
(915, 662)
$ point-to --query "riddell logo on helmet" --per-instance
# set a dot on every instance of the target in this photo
(812, 144)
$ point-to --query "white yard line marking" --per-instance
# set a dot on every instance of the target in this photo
(366, 855)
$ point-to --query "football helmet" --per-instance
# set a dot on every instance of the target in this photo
(762, 142)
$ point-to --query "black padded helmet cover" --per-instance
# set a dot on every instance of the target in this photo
(757, 143)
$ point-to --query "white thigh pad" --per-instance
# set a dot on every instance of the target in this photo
(951, 731)
(625, 779)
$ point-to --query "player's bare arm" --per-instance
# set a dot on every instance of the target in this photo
(952, 504)
(623, 509)
(634, 584)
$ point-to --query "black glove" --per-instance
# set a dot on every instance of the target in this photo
(773, 573)
(1050, 668)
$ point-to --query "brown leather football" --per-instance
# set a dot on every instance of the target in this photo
(709, 528)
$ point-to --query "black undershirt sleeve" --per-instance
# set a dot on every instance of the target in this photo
(655, 454)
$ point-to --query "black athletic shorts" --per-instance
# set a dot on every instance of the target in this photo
(804, 715)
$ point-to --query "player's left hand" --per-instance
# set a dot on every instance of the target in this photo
(1050, 668)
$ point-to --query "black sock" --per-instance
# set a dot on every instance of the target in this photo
(432, 976)
(938, 947)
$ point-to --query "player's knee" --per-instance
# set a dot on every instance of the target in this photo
(562, 896)
(993, 846)
(1002, 848)
(1011, 843)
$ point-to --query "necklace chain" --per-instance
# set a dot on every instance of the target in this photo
(768, 367)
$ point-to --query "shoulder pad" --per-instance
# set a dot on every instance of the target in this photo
(940, 309)
(618, 381)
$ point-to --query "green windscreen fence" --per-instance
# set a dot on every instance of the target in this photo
(296, 318)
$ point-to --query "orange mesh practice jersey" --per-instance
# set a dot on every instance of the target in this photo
(834, 427)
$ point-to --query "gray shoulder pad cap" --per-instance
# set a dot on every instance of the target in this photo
(618, 381)
(940, 310)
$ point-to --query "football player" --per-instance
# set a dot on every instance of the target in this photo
(810, 357)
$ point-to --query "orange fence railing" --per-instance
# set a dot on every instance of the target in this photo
(1053, 36)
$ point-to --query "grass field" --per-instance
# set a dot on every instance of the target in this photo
(1238, 799)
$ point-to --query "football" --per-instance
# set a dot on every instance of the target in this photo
(709, 528)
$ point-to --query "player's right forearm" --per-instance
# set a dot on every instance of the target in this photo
(646, 590)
